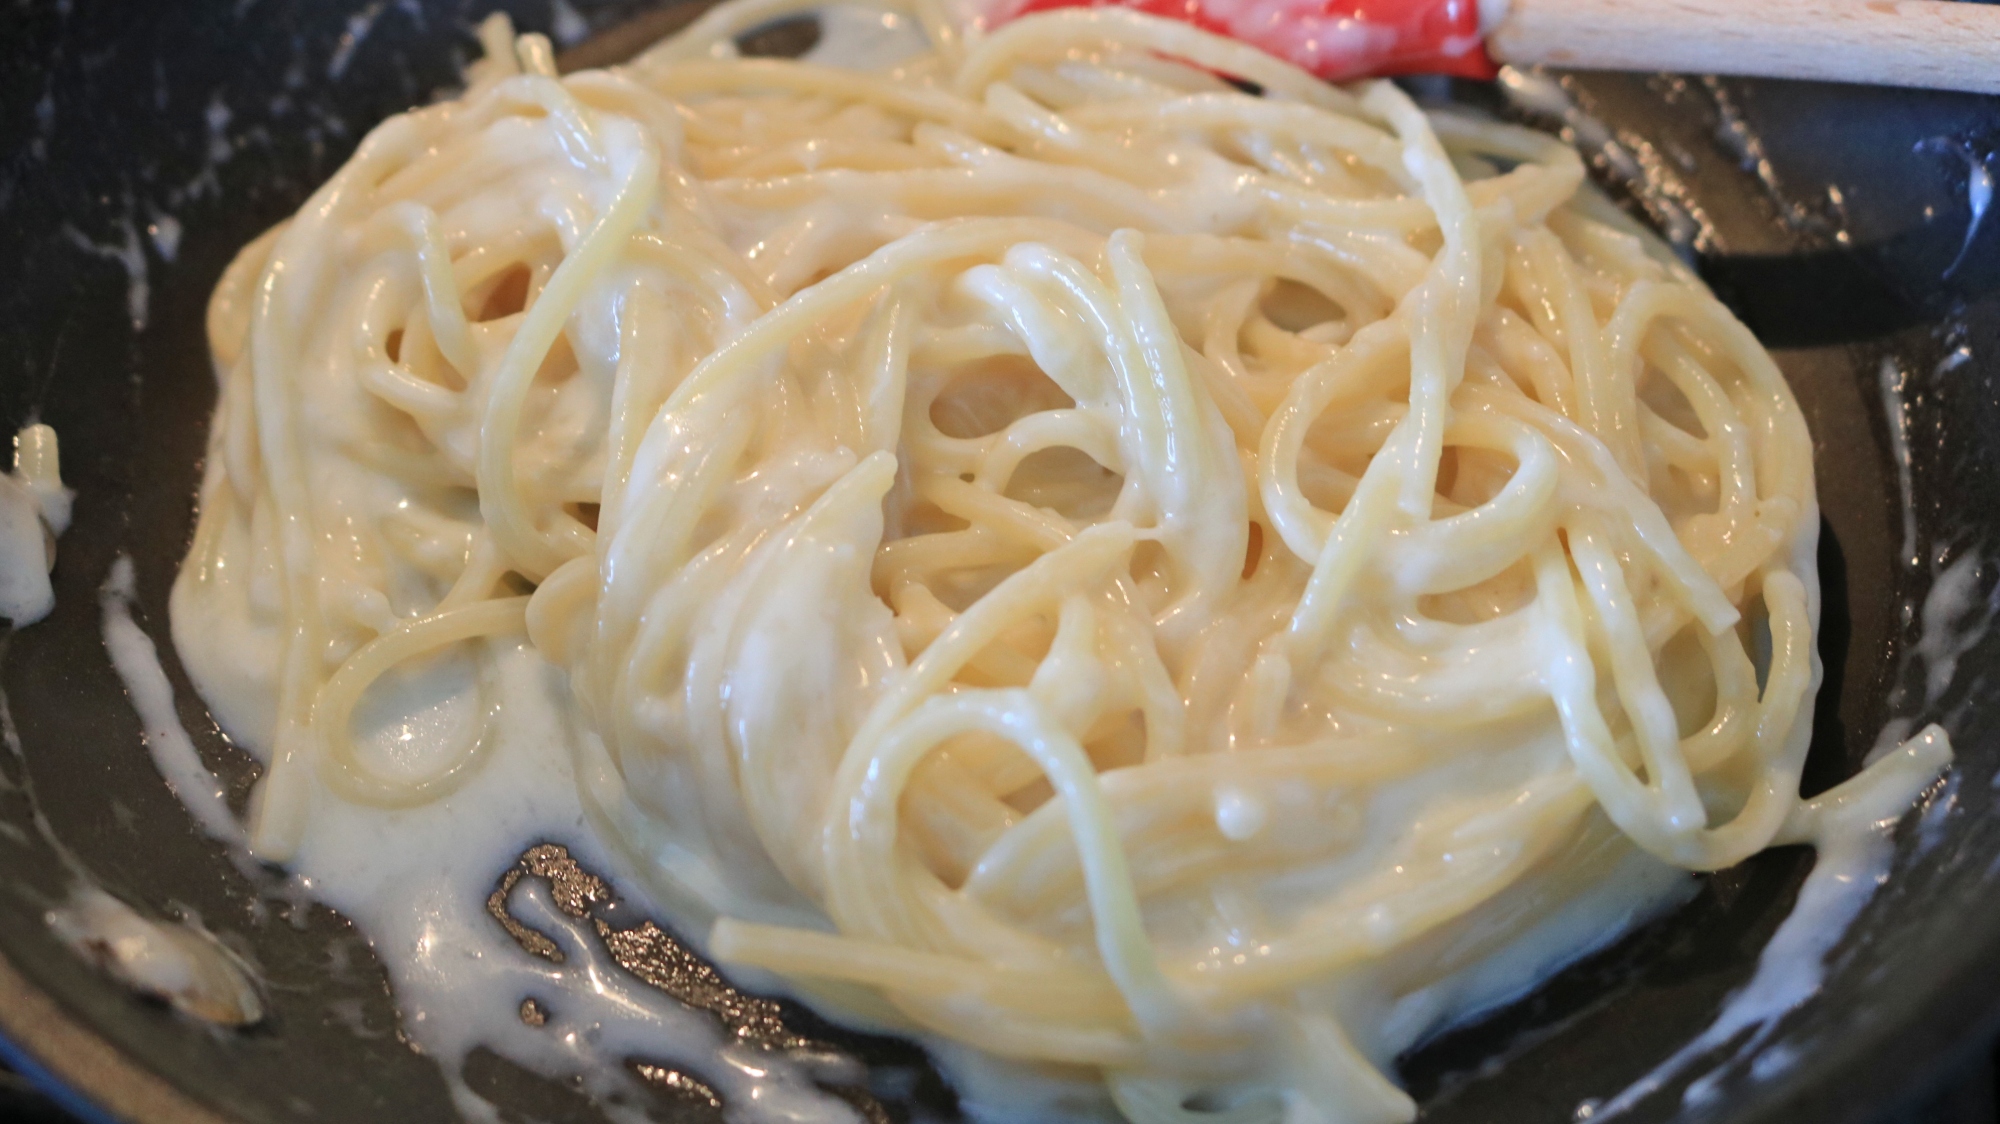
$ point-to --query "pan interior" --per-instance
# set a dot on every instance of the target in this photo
(148, 145)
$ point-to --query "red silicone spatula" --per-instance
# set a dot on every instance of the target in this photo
(1943, 44)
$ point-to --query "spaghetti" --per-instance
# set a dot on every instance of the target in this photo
(1145, 575)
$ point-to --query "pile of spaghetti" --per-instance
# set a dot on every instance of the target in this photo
(1087, 544)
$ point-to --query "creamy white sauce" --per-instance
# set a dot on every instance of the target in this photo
(179, 962)
(137, 662)
(864, 38)
(1853, 844)
(1640, 889)
(130, 255)
(415, 881)
(1955, 615)
(1896, 386)
(34, 511)
(1239, 815)
(1856, 844)
(1892, 381)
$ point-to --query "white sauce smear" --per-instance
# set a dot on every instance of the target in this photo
(1854, 843)
(34, 510)
(179, 962)
(415, 881)
(137, 662)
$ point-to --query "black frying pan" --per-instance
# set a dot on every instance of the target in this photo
(1843, 249)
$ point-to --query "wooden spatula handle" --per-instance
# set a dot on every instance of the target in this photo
(1941, 44)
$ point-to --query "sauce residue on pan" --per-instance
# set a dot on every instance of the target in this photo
(137, 662)
(181, 962)
(530, 974)
(1626, 159)
(34, 511)
(1853, 837)
(579, 1013)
